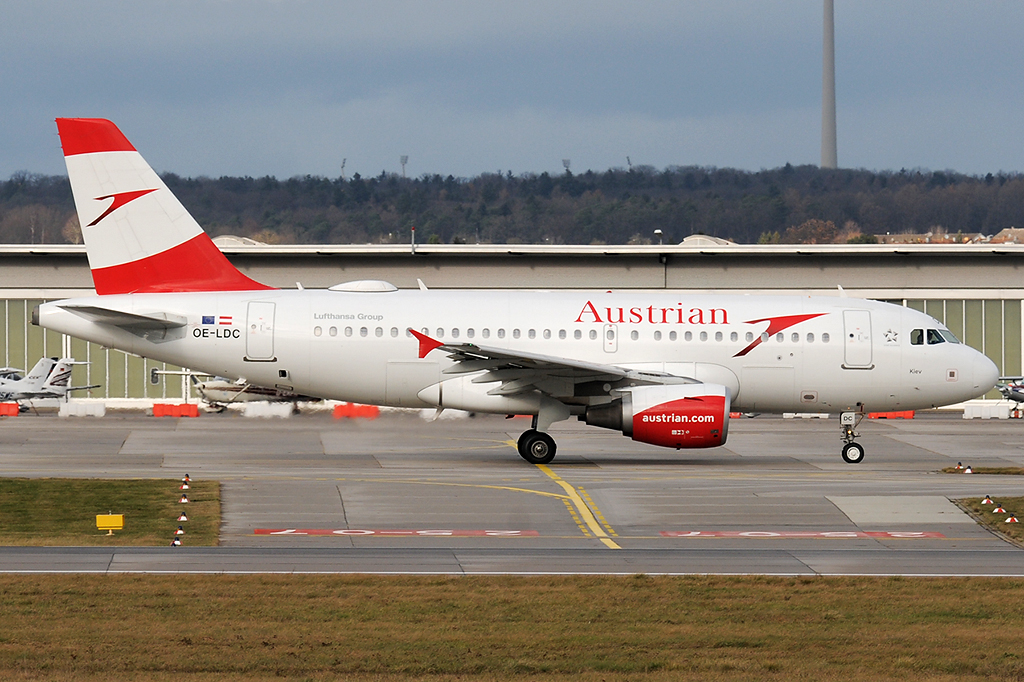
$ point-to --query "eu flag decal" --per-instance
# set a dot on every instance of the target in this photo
(207, 319)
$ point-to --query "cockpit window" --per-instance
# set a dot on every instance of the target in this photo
(935, 337)
(949, 336)
(917, 337)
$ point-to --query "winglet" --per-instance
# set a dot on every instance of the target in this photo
(427, 344)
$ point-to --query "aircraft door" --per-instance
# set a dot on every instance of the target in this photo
(857, 339)
(611, 338)
(259, 328)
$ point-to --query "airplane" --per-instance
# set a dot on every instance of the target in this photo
(661, 367)
(50, 378)
(219, 392)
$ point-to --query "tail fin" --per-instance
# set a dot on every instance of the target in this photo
(60, 377)
(138, 235)
(35, 378)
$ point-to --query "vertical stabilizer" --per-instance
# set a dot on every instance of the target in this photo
(138, 235)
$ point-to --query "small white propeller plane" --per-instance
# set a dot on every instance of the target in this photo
(50, 378)
(662, 367)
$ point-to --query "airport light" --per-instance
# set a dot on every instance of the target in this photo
(566, 163)
(403, 160)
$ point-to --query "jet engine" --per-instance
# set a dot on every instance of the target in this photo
(674, 416)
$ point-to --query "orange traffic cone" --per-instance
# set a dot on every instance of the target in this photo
(184, 499)
(987, 500)
(999, 510)
(182, 517)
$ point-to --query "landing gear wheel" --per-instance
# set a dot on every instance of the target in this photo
(853, 453)
(536, 447)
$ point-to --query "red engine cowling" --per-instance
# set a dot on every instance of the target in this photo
(673, 416)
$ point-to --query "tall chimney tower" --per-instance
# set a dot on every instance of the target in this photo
(829, 154)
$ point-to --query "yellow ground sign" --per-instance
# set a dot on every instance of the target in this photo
(110, 522)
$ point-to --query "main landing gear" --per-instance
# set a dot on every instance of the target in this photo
(536, 447)
(853, 452)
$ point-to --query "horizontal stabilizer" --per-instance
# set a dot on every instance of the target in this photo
(129, 321)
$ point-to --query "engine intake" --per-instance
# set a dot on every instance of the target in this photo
(674, 416)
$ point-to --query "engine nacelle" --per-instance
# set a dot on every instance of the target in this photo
(674, 416)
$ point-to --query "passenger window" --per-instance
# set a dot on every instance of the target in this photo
(577, 335)
(734, 336)
(486, 333)
(532, 334)
(780, 337)
(547, 333)
(317, 331)
(515, 333)
(824, 337)
(810, 337)
(501, 333)
(795, 337)
(688, 336)
(657, 336)
(348, 331)
(455, 333)
(917, 337)
(749, 337)
(440, 333)
(561, 333)
(333, 331)
(378, 332)
(764, 337)
(593, 334)
(935, 337)
(634, 335)
(363, 331)
(394, 332)
(671, 336)
(703, 336)
(718, 336)
(470, 333)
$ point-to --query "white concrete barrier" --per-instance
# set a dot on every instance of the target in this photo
(267, 410)
(82, 408)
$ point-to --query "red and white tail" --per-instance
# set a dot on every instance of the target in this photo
(139, 237)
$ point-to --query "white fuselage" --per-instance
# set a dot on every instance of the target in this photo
(841, 354)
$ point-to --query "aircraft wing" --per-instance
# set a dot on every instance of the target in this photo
(130, 321)
(521, 372)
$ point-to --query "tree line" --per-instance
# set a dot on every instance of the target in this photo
(617, 206)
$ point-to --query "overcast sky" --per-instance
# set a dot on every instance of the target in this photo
(291, 88)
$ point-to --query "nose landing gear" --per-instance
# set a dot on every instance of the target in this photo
(853, 452)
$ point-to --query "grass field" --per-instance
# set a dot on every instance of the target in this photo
(128, 627)
(1003, 471)
(62, 511)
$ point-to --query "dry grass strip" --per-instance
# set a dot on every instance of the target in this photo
(132, 627)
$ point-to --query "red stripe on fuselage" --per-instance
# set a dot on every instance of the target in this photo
(90, 135)
(195, 265)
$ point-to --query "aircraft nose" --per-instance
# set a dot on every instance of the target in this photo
(986, 374)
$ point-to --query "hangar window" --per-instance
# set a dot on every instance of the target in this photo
(593, 334)
(485, 332)
(333, 331)
(501, 333)
(470, 333)
(795, 337)
(378, 332)
(718, 336)
(532, 334)
(634, 335)
(363, 331)
(824, 337)
(734, 336)
(317, 331)
(810, 337)
(657, 336)
(688, 336)
(394, 332)
(703, 336)
(515, 333)
(671, 336)
(348, 331)
(455, 332)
